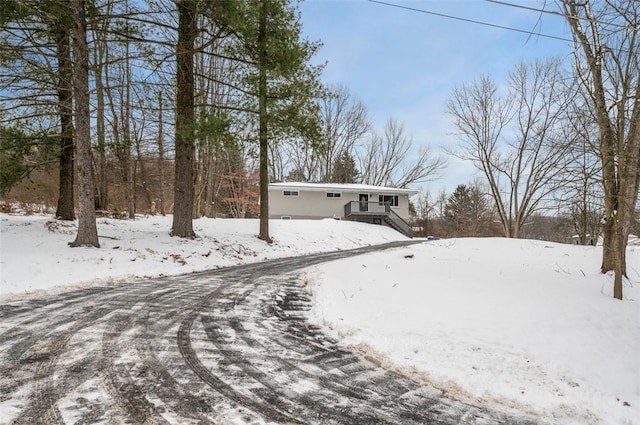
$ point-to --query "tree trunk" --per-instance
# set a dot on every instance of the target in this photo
(161, 154)
(131, 185)
(103, 192)
(66, 201)
(87, 229)
(619, 259)
(143, 172)
(618, 124)
(263, 131)
(185, 139)
(611, 189)
(608, 247)
(626, 209)
(584, 216)
(130, 161)
(99, 57)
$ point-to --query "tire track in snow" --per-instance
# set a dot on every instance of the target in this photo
(46, 393)
(214, 347)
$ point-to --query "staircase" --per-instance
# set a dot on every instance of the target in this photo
(375, 213)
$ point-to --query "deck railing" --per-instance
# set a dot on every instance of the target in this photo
(377, 209)
(366, 207)
(403, 226)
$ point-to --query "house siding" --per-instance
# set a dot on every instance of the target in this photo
(308, 204)
(314, 204)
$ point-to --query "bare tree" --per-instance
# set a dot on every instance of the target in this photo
(100, 71)
(295, 161)
(581, 196)
(161, 153)
(344, 122)
(482, 209)
(214, 102)
(129, 161)
(512, 139)
(36, 90)
(240, 184)
(118, 76)
(607, 57)
(425, 213)
(386, 161)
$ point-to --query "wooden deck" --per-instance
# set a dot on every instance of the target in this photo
(375, 213)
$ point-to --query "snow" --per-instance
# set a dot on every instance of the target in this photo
(36, 260)
(519, 324)
(522, 323)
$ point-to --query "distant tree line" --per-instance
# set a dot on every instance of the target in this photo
(469, 211)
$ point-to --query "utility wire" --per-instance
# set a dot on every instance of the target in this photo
(552, 12)
(533, 9)
(472, 21)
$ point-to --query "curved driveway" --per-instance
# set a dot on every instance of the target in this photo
(229, 346)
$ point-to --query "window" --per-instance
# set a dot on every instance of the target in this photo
(290, 192)
(285, 217)
(392, 200)
(334, 195)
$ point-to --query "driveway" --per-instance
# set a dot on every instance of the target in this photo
(230, 346)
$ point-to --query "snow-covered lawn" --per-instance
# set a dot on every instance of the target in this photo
(522, 323)
(35, 258)
(518, 323)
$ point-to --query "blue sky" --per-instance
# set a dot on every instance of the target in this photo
(402, 64)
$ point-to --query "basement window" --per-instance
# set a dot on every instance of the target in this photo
(290, 193)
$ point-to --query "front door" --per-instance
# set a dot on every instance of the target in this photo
(364, 201)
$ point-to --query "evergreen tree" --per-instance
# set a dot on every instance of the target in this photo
(458, 210)
(15, 148)
(467, 211)
(344, 169)
(282, 83)
(185, 111)
(87, 229)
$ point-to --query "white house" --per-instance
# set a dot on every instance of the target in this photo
(371, 204)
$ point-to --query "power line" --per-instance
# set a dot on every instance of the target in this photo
(533, 9)
(554, 13)
(472, 21)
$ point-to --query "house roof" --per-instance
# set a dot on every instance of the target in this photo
(343, 187)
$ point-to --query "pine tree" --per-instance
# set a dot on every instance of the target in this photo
(458, 211)
(184, 138)
(344, 169)
(282, 81)
(87, 229)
